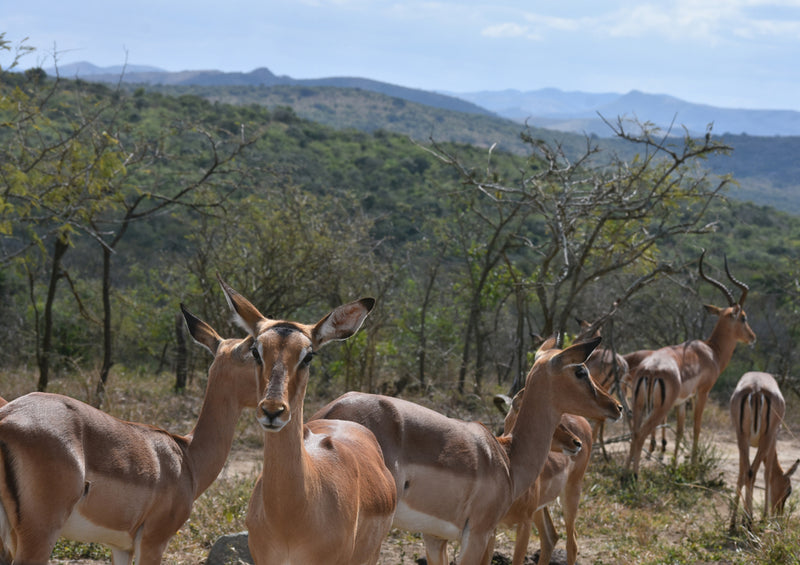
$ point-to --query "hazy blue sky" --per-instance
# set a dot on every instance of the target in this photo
(733, 53)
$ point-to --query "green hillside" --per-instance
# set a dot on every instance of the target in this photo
(119, 205)
(766, 168)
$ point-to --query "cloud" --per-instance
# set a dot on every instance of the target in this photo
(505, 30)
(706, 22)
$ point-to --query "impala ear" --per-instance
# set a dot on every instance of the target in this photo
(577, 353)
(792, 469)
(245, 315)
(548, 344)
(201, 332)
(341, 322)
(502, 402)
(713, 310)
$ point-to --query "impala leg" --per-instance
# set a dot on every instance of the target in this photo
(120, 557)
(569, 505)
(487, 555)
(744, 468)
(601, 428)
(435, 550)
(521, 544)
(680, 418)
(548, 537)
(700, 405)
(473, 550)
(750, 485)
(150, 547)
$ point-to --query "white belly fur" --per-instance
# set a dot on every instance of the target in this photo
(78, 528)
(411, 520)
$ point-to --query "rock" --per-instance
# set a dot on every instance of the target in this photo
(559, 557)
(230, 549)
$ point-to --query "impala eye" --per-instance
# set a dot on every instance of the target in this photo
(307, 359)
(581, 372)
(256, 356)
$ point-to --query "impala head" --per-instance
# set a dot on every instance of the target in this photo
(283, 351)
(573, 390)
(564, 441)
(733, 318)
(781, 488)
(233, 364)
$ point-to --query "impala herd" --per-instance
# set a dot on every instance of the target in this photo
(365, 463)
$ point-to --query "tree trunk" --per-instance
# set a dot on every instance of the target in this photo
(180, 355)
(59, 249)
(107, 361)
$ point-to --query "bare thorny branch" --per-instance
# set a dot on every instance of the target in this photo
(603, 216)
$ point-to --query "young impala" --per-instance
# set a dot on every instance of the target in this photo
(324, 496)
(70, 470)
(561, 476)
(757, 409)
(672, 375)
(455, 480)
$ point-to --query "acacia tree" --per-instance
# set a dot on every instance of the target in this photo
(74, 167)
(206, 186)
(55, 175)
(600, 216)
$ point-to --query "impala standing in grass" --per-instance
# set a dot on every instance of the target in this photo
(70, 470)
(324, 496)
(455, 480)
(672, 375)
(757, 410)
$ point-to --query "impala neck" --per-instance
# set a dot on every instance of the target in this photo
(722, 344)
(532, 434)
(211, 439)
(286, 468)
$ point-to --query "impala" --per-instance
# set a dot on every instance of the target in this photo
(70, 470)
(455, 480)
(324, 495)
(672, 375)
(757, 409)
(561, 476)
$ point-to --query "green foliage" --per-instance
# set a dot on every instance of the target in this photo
(306, 217)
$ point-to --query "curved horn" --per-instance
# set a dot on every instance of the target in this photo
(716, 283)
(744, 288)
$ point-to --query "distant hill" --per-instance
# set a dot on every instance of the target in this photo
(579, 112)
(262, 77)
(766, 167)
(85, 69)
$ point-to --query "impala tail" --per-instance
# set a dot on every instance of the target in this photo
(649, 393)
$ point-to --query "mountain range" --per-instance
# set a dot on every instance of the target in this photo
(583, 112)
(550, 108)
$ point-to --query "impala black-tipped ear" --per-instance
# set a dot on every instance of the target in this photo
(245, 315)
(577, 353)
(502, 402)
(342, 322)
(201, 332)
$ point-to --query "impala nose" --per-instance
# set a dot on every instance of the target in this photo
(273, 415)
